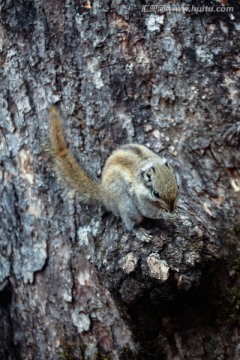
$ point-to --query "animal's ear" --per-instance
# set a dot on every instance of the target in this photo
(178, 180)
(166, 163)
(148, 173)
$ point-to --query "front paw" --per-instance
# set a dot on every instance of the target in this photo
(169, 216)
(143, 235)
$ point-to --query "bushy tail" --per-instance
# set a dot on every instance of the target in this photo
(66, 165)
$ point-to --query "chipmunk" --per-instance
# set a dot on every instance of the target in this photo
(136, 183)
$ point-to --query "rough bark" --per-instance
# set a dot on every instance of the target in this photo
(74, 283)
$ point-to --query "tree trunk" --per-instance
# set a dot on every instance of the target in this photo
(74, 283)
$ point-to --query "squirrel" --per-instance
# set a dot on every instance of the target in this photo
(136, 183)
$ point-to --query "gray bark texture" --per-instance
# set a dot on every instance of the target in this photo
(74, 283)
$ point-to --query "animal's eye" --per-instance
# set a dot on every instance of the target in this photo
(155, 194)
